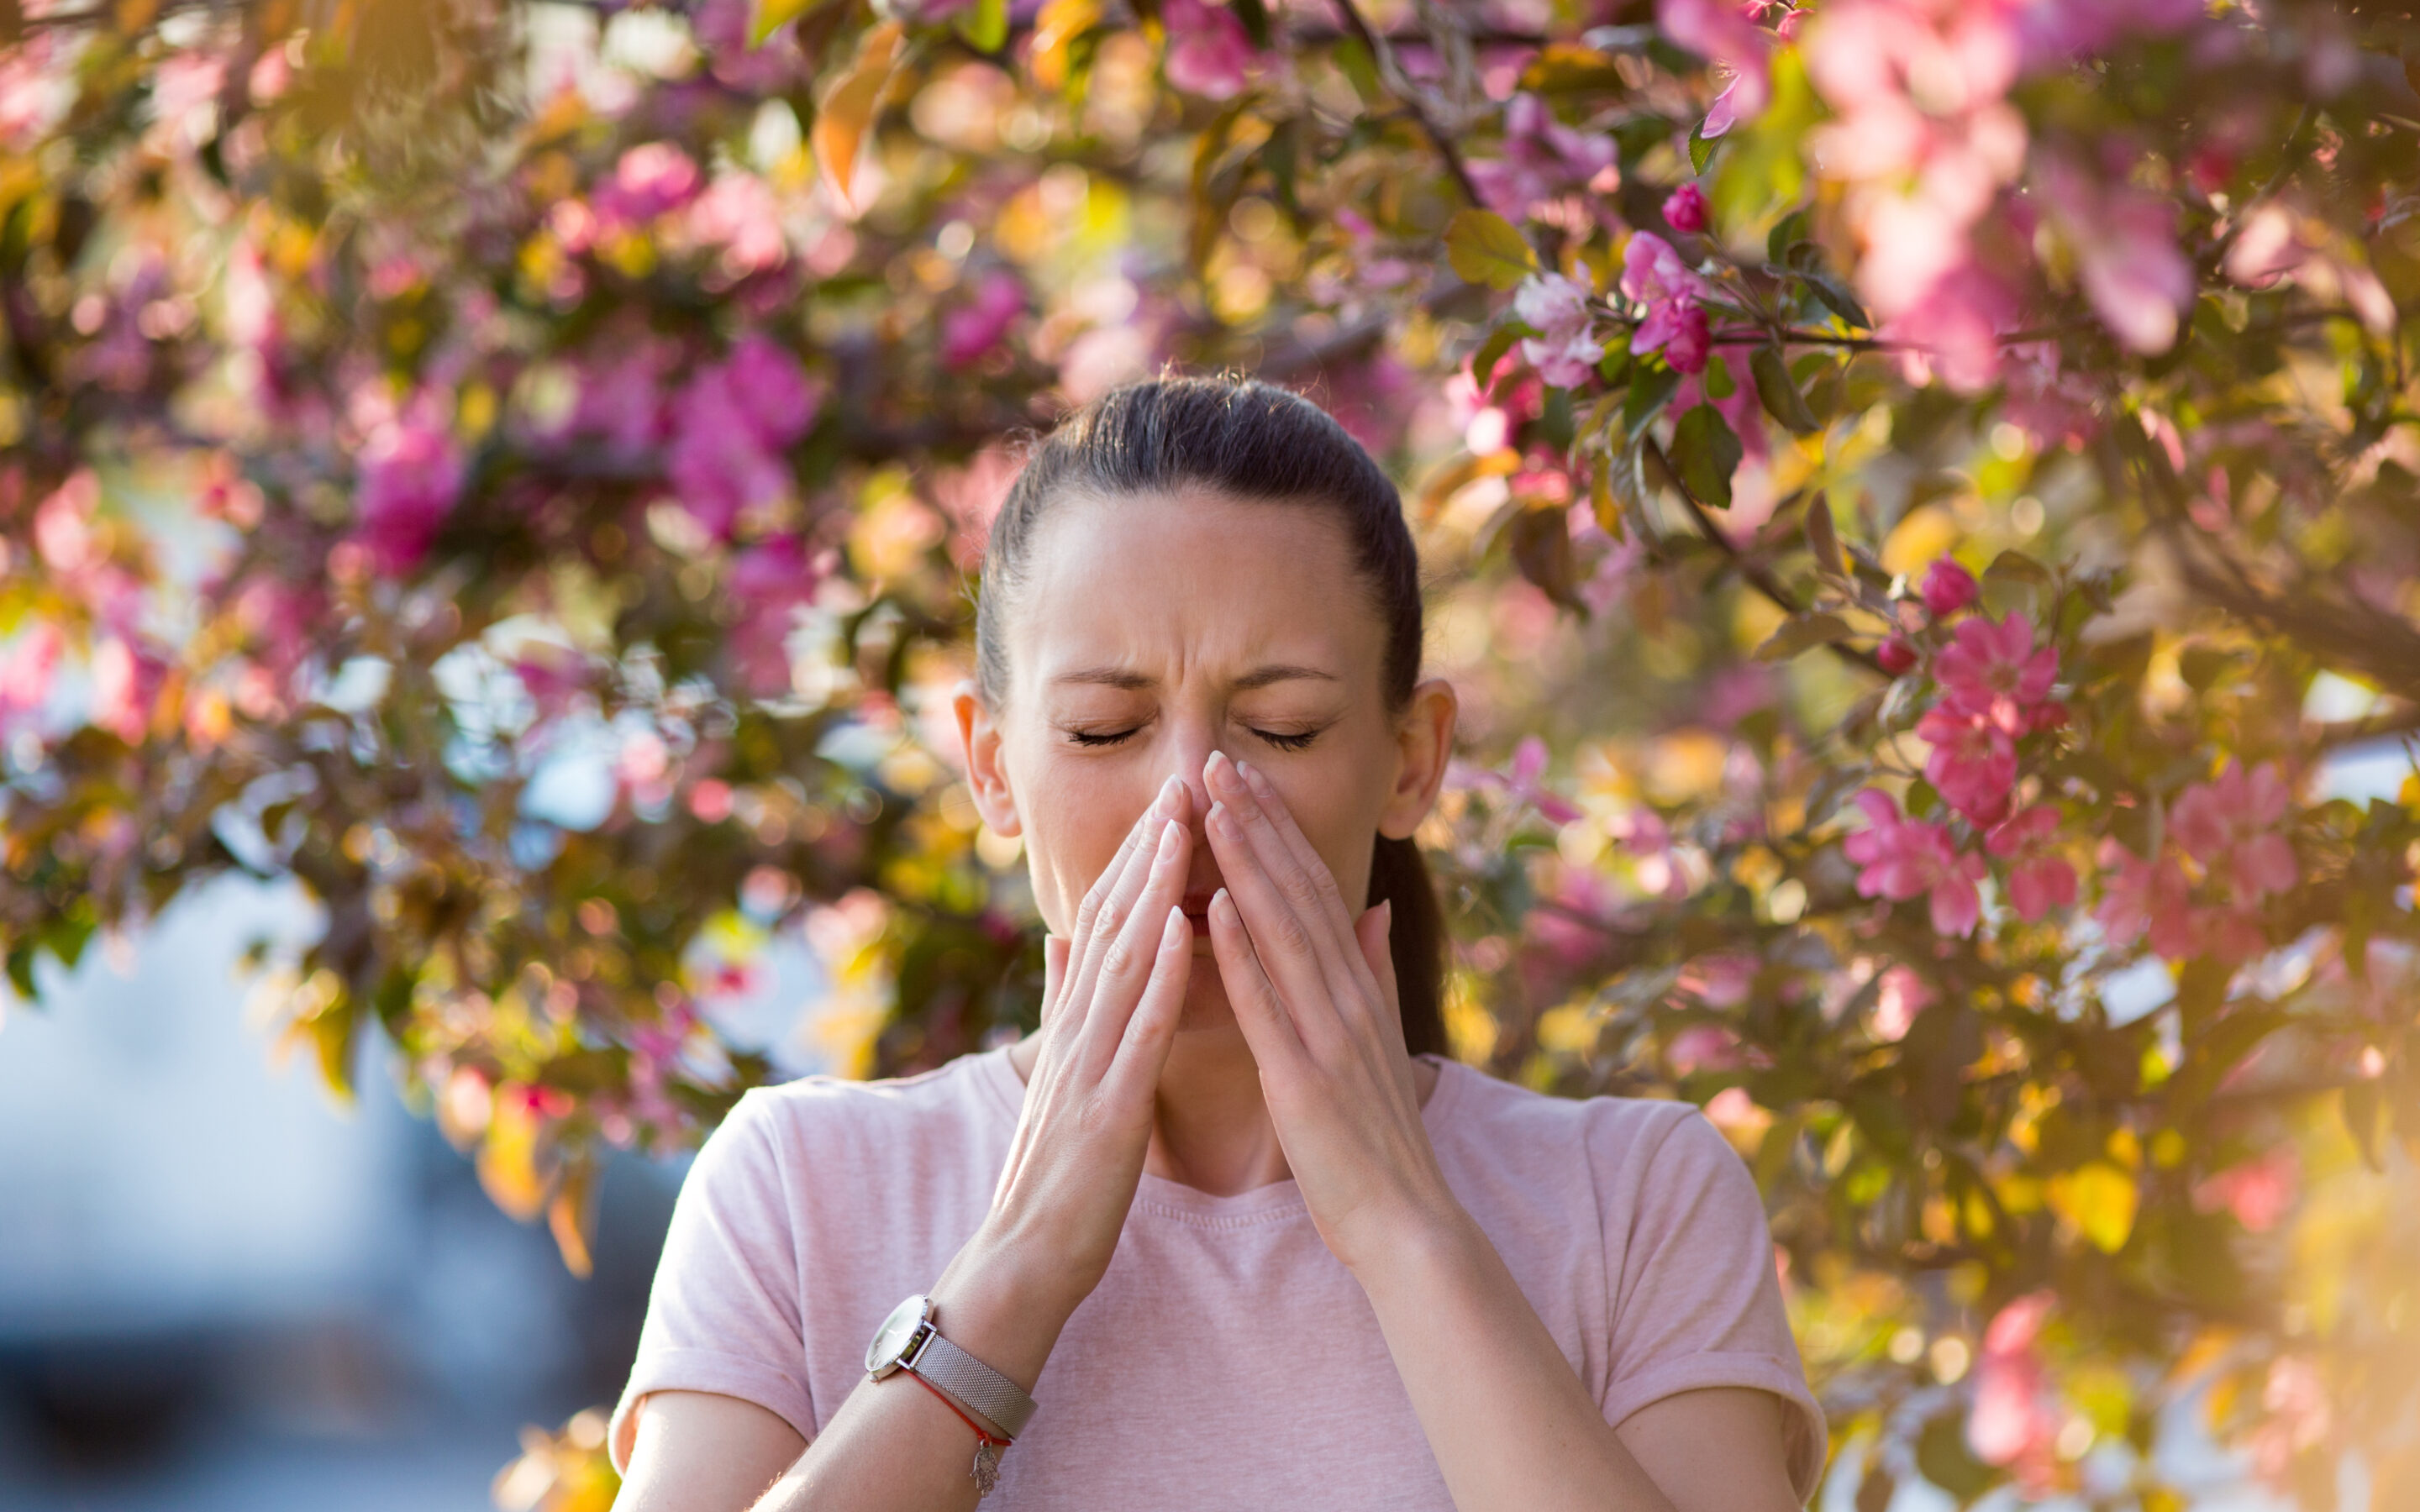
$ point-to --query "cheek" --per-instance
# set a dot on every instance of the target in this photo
(1075, 815)
(1337, 805)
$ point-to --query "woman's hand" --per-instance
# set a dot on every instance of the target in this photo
(1112, 993)
(1314, 990)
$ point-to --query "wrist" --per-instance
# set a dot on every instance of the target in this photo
(995, 1302)
(1420, 1242)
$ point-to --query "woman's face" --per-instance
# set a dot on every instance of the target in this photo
(1151, 630)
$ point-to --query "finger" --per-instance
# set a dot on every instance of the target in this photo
(1297, 845)
(1268, 1030)
(1376, 930)
(1282, 941)
(1054, 974)
(1107, 880)
(1310, 888)
(1126, 961)
(1112, 898)
(1143, 1051)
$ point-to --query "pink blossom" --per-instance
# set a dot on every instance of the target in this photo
(2258, 1192)
(1951, 326)
(1948, 588)
(2039, 879)
(2230, 826)
(731, 423)
(722, 27)
(1989, 669)
(652, 178)
(1565, 351)
(2055, 32)
(2146, 895)
(1209, 53)
(1904, 857)
(63, 532)
(1900, 998)
(1703, 1047)
(2296, 1417)
(1973, 764)
(411, 475)
(976, 328)
(2126, 253)
(1684, 210)
(126, 683)
(1521, 778)
(1542, 157)
(1896, 656)
(1653, 274)
(622, 394)
(2014, 1419)
(27, 669)
(1723, 32)
(770, 583)
(739, 214)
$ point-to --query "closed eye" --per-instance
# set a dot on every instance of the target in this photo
(1101, 737)
(1300, 740)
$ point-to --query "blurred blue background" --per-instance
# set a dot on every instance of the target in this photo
(219, 1290)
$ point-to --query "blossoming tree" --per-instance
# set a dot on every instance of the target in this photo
(1922, 498)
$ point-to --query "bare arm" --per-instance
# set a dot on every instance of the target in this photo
(1114, 992)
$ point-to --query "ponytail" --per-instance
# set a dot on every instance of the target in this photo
(1416, 939)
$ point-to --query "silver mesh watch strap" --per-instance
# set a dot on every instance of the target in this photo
(972, 1383)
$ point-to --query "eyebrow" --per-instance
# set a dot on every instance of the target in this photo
(1130, 681)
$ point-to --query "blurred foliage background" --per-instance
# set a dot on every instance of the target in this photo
(1920, 499)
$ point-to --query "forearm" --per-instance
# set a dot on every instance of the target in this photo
(894, 1446)
(1511, 1425)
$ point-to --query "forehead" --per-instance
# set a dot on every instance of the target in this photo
(1176, 585)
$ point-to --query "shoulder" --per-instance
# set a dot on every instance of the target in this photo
(1485, 1110)
(833, 1123)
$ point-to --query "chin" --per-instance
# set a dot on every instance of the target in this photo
(1206, 1009)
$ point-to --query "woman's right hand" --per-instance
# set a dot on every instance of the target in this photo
(1112, 992)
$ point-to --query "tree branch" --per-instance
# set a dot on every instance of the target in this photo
(1384, 56)
(1757, 574)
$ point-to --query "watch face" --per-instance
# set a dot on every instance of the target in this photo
(893, 1337)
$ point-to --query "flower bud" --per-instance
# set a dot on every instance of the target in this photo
(1684, 210)
(1948, 588)
(1896, 656)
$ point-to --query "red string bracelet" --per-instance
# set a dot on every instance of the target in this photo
(981, 1432)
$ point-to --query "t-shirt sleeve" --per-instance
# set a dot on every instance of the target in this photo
(723, 1316)
(1696, 1303)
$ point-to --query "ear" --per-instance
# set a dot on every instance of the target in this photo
(987, 776)
(1425, 743)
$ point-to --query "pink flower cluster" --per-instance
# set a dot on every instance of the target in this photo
(2015, 1420)
(411, 476)
(1904, 857)
(1209, 53)
(1653, 274)
(1727, 33)
(1565, 350)
(731, 423)
(1542, 159)
(1995, 691)
(2231, 828)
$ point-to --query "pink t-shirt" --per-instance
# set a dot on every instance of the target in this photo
(1227, 1360)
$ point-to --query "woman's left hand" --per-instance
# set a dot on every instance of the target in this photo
(1314, 990)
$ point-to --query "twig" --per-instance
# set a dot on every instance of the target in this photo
(1757, 574)
(1384, 56)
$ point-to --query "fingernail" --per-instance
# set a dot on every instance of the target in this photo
(1251, 778)
(1221, 904)
(1168, 833)
(1222, 818)
(1167, 797)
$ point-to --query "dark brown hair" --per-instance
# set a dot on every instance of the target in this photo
(1246, 440)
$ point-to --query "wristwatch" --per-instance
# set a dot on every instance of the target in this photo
(910, 1339)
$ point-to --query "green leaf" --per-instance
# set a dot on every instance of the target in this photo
(1540, 543)
(984, 26)
(1786, 233)
(770, 16)
(1650, 388)
(1803, 632)
(1706, 453)
(1782, 400)
(1824, 540)
(1835, 298)
(2015, 567)
(1701, 151)
(1717, 380)
(1491, 351)
(1485, 249)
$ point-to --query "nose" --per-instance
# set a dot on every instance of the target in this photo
(1190, 751)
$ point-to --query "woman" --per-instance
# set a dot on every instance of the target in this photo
(1230, 1217)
